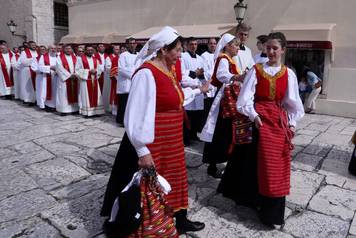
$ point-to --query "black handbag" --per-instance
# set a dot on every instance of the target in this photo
(128, 218)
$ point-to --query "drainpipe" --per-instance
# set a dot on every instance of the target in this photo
(35, 18)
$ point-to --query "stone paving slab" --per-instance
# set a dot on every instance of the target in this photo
(25, 205)
(335, 201)
(55, 173)
(77, 218)
(311, 224)
(303, 187)
(32, 228)
(54, 169)
(15, 182)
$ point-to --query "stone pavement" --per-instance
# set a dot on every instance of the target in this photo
(53, 172)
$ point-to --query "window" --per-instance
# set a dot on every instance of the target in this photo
(60, 14)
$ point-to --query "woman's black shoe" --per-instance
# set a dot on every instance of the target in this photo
(214, 171)
(187, 225)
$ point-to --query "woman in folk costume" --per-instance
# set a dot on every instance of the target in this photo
(217, 132)
(154, 126)
(270, 98)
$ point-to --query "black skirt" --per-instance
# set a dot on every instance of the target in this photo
(216, 152)
(207, 105)
(124, 167)
(240, 183)
(352, 165)
(121, 106)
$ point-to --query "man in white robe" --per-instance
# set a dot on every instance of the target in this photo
(111, 69)
(208, 66)
(194, 67)
(88, 71)
(28, 77)
(6, 76)
(104, 80)
(126, 69)
(40, 83)
(244, 57)
(47, 68)
(16, 72)
(67, 82)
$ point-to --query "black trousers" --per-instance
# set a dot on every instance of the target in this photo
(121, 107)
(352, 165)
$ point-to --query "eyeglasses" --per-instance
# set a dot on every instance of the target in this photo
(243, 34)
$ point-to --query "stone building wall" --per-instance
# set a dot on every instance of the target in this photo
(34, 19)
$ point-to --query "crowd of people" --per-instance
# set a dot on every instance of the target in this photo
(55, 78)
(166, 95)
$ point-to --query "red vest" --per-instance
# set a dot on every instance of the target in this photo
(169, 95)
(271, 88)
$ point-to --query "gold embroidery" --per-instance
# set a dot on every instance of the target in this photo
(231, 61)
(173, 76)
(272, 79)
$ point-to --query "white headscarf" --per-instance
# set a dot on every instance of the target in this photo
(225, 39)
(164, 37)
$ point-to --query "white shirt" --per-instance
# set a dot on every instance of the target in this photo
(192, 64)
(244, 59)
(141, 108)
(126, 70)
(259, 59)
(291, 101)
(208, 66)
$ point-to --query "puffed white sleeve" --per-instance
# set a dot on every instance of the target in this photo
(223, 73)
(140, 111)
(245, 101)
(291, 101)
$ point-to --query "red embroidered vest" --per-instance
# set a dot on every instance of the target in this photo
(232, 68)
(271, 88)
(169, 95)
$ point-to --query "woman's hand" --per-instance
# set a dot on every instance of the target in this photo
(238, 77)
(292, 128)
(258, 122)
(146, 161)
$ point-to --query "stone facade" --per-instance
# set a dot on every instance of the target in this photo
(34, 19)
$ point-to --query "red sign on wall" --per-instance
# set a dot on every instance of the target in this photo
(322, 45)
